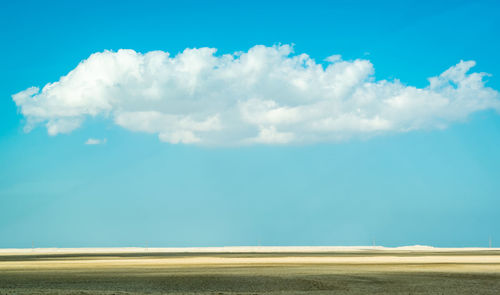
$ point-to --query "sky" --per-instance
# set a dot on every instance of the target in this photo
(227, 123)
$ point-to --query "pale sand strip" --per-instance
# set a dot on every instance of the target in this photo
(220, 261)
(232, 249)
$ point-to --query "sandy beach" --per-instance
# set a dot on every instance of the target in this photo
(251, 270)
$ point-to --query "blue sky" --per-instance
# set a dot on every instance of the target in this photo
(433, 186)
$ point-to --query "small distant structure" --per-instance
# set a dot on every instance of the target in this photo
(490, 242)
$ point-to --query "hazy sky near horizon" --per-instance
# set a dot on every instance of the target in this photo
(201, 123)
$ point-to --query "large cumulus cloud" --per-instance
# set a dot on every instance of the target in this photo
(267, 95)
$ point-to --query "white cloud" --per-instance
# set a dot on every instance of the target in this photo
(267, 95)
(93, 141)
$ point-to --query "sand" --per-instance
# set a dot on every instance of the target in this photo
(251, 270)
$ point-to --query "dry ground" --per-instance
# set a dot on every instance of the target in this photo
(341, 272)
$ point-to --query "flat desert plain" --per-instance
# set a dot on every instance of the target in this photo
(251, 270)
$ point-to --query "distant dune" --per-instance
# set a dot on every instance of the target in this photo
(237, 249)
